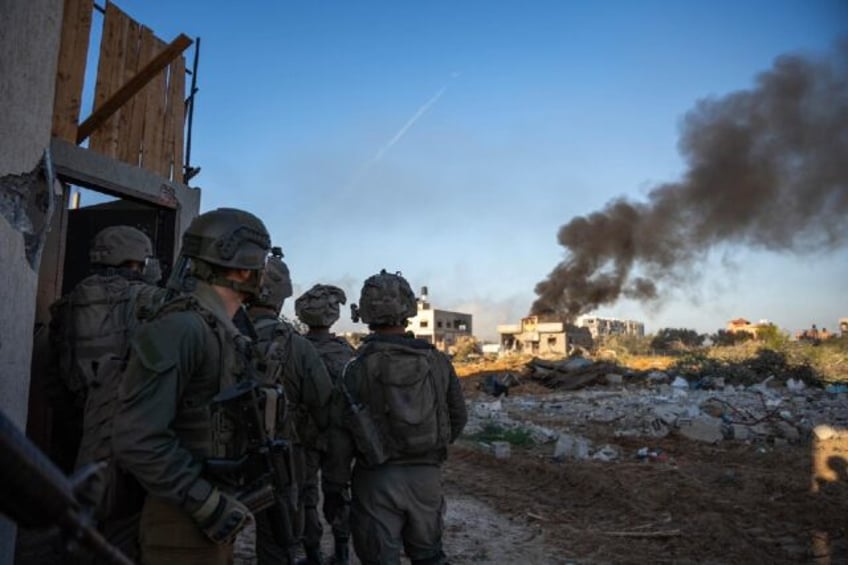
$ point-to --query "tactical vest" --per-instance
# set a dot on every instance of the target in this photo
(96, 321)
(205, 429)
(405, 388)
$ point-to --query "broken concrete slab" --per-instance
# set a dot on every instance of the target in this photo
(701, 428)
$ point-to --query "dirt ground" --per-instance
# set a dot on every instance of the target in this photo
(728, 502)
(731, 502)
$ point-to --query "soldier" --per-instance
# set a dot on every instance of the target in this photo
(90, 329)
(167, 425)
(89, 326)
(308, 388)
(403, 406)
(318, 308)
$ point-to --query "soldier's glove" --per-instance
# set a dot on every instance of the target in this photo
(221, 516)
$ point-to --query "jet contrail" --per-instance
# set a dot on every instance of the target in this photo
(401, 132)
(411, 122)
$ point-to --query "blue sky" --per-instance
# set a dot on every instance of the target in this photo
(450, 140)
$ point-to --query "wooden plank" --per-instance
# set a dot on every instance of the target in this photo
(154, 119)
(179, 123)
(70, 72)
(148, 72)
(109, 71)
(129, 147)
(135, 135)
(174, 118)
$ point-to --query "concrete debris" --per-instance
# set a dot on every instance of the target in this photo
(606, 453)
(651, 407)
(571, 447)
(657, 376)
(701, 428)
(680, 382)
(614, 378)
(501, 449)
(795, 385)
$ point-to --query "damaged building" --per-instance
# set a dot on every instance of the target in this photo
(442, 328)
(129, 144)
(607, 327)
(539, 337)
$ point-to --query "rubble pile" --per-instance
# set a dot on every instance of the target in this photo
(653, 405)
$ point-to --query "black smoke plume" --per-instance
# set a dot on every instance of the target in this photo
(767, 168)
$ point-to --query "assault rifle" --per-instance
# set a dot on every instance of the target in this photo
(264, 476)
(361, 424)
(36, 494)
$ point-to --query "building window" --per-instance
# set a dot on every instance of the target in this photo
(423, 324)
(439, 324)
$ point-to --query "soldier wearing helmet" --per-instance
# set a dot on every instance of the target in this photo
(402, 405)
(167, 425)
(293, 361)
(89, 336)
(318, 308)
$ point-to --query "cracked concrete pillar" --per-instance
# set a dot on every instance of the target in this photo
(29, 44)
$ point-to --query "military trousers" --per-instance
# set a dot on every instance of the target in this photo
(309, 495)
(398, 508)
(169, 536)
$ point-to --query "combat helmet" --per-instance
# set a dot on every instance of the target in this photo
(319, 306)
(386, 300)
(116, 245)
(228, 238)
(275, 285)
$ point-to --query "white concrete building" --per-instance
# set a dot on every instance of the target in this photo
(604, 327)
(442, 328)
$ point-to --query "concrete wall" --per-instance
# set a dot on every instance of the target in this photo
(29, 45)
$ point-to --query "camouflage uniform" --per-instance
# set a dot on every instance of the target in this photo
(167, 425)
(90, 329)
(398, 503)
(308, 389)
(318, 308)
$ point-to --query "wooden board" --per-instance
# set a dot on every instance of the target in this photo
(70, 72)
(110, 72)
(154, 122)
(134, 135)
(173, 138)
(129, 146)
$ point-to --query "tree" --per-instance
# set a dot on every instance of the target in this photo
(724, 338)
(677, 339)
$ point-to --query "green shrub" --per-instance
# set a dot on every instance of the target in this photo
(494, 432)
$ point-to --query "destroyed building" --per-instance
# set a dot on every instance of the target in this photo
(606, 327)
(539, 337)
(442, 328)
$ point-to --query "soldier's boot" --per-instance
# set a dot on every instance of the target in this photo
(341, 556)
(313, 556)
